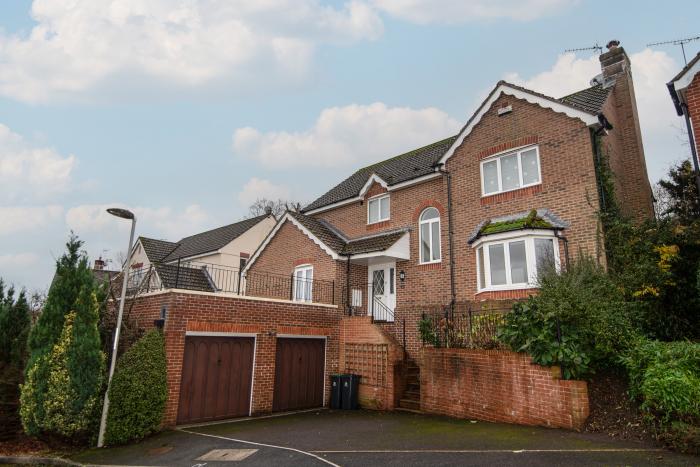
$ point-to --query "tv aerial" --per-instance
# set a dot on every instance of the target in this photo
(680, 42)
(596, 47)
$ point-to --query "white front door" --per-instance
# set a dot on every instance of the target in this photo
(382, 291)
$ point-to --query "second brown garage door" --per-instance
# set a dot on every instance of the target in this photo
(299, 371)
(216, 378)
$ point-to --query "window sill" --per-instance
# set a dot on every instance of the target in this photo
(506, 294)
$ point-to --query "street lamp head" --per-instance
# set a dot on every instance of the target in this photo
(123, 213)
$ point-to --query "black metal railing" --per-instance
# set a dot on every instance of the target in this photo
(215, 278)
(464, 326)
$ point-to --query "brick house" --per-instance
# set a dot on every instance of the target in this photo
(341, 285)
(685, 93)
(471, 219)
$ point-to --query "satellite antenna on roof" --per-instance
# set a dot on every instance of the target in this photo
(595, 47)
(680, 42)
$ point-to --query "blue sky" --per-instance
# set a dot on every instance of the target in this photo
(187, 110)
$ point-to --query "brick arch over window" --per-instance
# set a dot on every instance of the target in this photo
(300, 261)
(429, 203)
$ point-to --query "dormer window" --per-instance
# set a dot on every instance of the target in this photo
(511, 171)
(378, 209)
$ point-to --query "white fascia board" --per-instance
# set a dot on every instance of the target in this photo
(587, 118)
(262, 246)
(274, 231)
(374, 178)
(390, 188)
(687, 77)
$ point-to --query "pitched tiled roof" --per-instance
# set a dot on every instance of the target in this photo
(185, 278)
(590, 100)
(398, 169)
(539, 219)
(201, 243)
(156, 250)
(338, 242)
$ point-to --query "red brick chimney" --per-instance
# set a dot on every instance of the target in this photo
(99, 264)
(624, 143)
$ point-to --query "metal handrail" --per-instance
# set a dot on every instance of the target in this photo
(386, 312)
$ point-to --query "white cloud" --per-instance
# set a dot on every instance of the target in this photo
(17, 219)
(650, 71)
(257, 188)
(18, 260)
(450, 11)
(76, 46)
(163, 222)
(347, 136)
(30, 171)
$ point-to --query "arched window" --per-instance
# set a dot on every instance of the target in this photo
(430, 236)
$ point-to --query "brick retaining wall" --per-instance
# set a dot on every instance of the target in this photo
(500, 386)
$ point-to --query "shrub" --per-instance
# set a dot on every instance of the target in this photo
(74, 372)
(138, 391)
(666, 377)
(72, 275)
(578, 320)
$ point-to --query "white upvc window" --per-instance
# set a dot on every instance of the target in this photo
(511, 171)
(378, 209)
(303, 283)
(429, 234)
(514, 260)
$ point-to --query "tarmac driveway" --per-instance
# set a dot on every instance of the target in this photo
(346, 438)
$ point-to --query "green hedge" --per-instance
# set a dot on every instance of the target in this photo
(138, 391)
(666, 377)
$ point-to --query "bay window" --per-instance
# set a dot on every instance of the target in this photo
(515, 260)
(378, 209)
(510, 171)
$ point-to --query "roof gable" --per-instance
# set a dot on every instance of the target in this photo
(155, 249)
(504, 88)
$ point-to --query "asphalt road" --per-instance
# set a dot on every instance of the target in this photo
(319, 438)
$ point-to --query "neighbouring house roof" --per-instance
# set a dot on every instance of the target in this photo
(186, 278)
(533, 219)
(398, 169)
(156, 250)
(421, 162)
(198, 244)
(591, 99)
(681, 81)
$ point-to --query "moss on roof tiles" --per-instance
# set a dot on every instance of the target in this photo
(531, 221)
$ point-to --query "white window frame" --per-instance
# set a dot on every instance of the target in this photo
(430, 237)
(498, 158)
(378, 199)
(505, 238)
(309, 290)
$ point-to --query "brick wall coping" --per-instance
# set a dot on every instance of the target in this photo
(233, 295)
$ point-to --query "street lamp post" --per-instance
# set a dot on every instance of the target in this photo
(124, 214)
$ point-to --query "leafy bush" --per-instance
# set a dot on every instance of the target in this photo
(527, 329)
(138, 391)
(578, 320)
(428, 334)
(666, 377)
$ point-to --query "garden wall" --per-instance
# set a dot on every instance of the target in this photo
(500, 386)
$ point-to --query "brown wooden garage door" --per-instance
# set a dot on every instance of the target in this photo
(216, 378)
(299, 369)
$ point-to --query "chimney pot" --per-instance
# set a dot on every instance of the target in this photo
(613, 44)
(268, 210)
